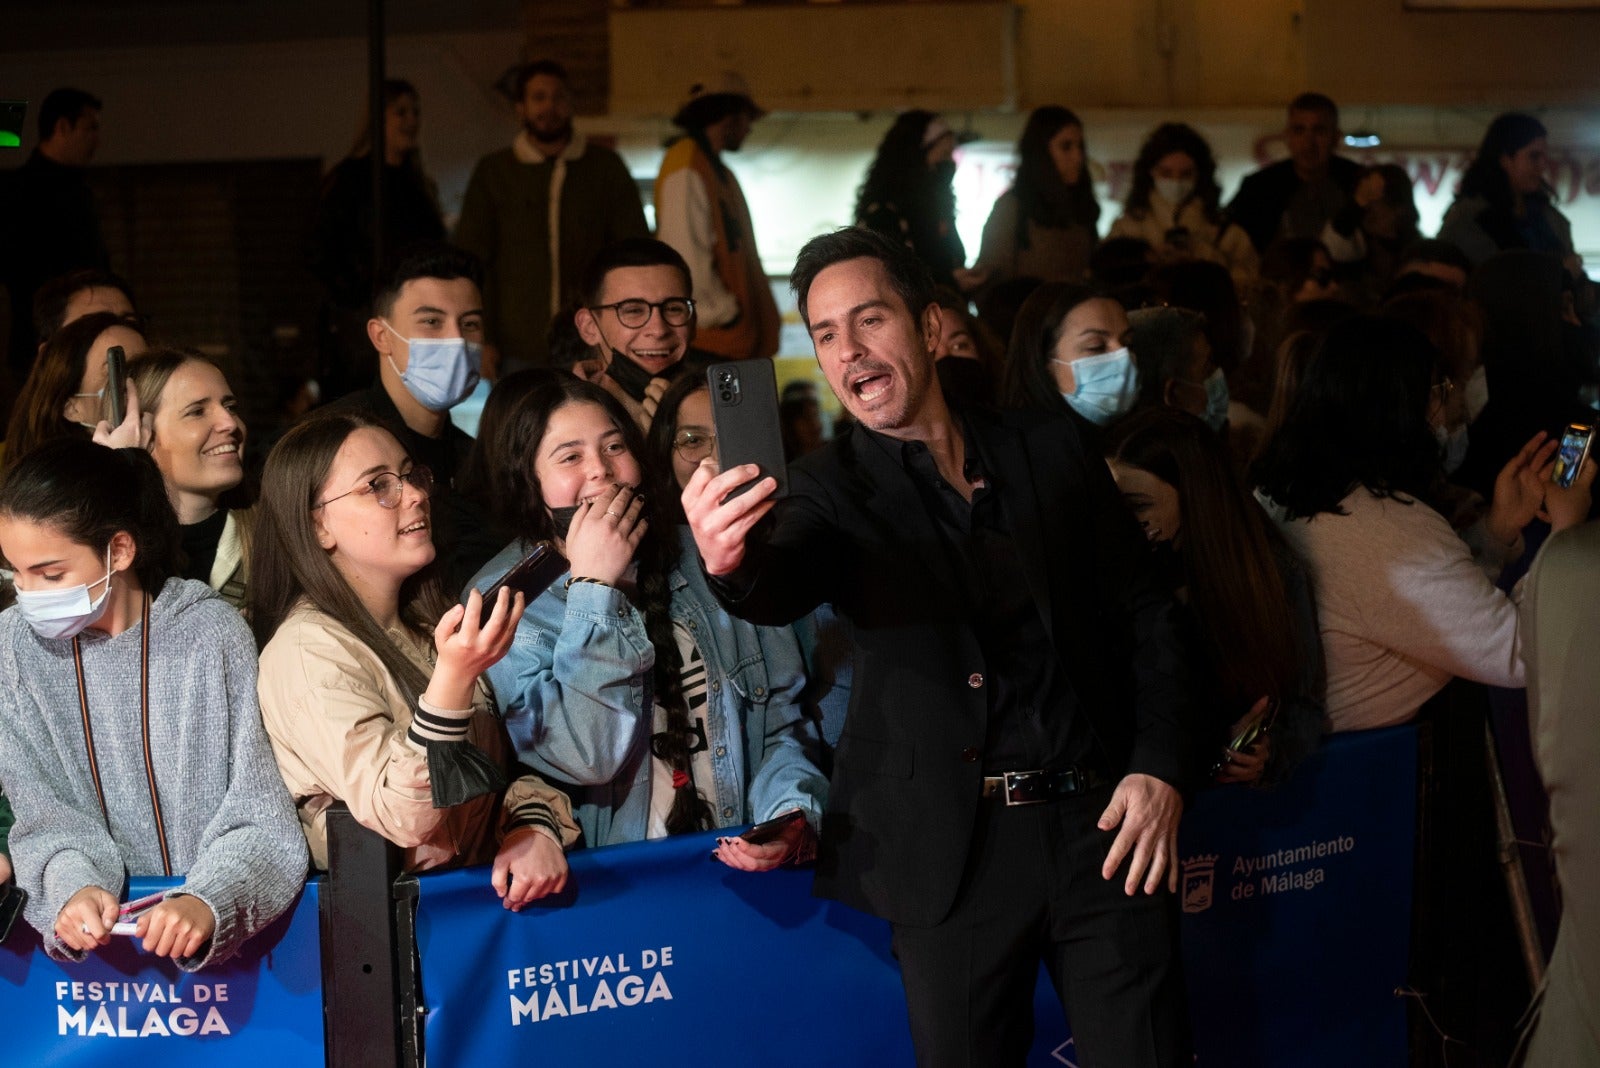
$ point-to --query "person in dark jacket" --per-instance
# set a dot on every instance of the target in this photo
(1314, 187)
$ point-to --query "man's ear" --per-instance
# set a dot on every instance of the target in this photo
(380, 337)
(932, 324)
(588, 328)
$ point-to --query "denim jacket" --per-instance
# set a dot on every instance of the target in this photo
(576, 691)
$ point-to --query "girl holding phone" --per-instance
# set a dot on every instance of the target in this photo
(627, 682)
(130, 740)
(371, 679)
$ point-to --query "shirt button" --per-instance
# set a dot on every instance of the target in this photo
(716, 686)
(761, 691)
(692, 625)
(970, 755)
(727, 813)
(975, 680)
(722, 750)
(622, 613)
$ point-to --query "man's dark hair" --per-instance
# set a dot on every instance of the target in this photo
(907, 275)
(430, 259)
(704, 111)
(68, 104)
(530, 71)
(50, 302)
(1432, 250)
(630, 252)
(1316, 102)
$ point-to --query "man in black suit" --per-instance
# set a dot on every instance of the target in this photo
(1299, 196)
(1005, 788)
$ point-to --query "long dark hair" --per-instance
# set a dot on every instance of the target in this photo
(1027, 382)
(288, 564)
(663, 428)
(1507, 135)
(1164, 140)
(57, 374)
(1042, 196)
(1229, 550)
(899, 173)
(521, 508)
(486, 477)
(90, 493)
(1359, 419)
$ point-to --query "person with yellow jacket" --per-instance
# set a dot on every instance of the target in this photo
(701, 212)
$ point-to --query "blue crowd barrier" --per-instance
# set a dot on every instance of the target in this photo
(125, 1006)
(1296, 932)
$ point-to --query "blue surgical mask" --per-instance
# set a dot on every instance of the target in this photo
(58, 614)
(441, 372)
(1216, 414)
(1106, 385)
(1452, 447)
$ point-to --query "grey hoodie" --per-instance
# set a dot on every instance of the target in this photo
(230, 826)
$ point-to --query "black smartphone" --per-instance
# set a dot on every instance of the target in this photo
(116, 378)
(744, 414)
(530, 576)
(633, 379)
(1575, 444)
(12, 898)
(762, 833)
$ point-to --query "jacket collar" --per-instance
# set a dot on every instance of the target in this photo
(526, 152)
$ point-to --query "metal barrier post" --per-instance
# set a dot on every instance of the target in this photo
(365, 969)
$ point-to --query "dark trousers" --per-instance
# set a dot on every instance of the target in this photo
(1032, 892)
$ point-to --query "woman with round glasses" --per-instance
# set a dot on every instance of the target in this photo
(370, 678)
(627, 683)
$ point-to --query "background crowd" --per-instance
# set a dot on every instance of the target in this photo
(1338, 436)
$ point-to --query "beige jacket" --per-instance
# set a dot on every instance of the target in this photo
(1227, 245)
(338, 726)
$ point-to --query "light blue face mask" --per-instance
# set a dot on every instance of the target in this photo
(1106, 385)
(441, 372)
(1452, 447)
(1216, 414)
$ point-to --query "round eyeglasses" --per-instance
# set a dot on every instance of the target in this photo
(675, 311)
(693, 445)
(386, 488)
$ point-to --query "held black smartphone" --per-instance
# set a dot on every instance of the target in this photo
(116, 377)
(762, 833)
(744, 414)
(1576, 441)
(12, 898)
(633, 379)
(530, 576)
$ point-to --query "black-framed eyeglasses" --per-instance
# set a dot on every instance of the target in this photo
(675, 311)
(693, 445)
(386, 488)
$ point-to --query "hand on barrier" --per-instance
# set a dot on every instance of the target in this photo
(720, 526)
(467, 650)
(605, 533)
(529, 865)
(84, 922)
(177, 927)
(796, 842)
(1147, 811)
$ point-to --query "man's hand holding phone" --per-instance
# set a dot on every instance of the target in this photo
(721, 523)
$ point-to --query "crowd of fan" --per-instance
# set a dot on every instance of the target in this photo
(1336, 434)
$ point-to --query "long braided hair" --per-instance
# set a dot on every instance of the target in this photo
(505, 459)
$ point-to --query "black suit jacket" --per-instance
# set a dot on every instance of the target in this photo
(855, 533)
(1264, 196)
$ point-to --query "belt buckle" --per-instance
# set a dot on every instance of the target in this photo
(1024, 782)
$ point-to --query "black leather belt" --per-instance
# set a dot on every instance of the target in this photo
(1037, 787)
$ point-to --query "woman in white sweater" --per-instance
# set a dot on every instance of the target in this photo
(1403, 605)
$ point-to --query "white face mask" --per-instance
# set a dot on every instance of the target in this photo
(1175, 190)
(441, 372)
(58, 614)
(1477, 393)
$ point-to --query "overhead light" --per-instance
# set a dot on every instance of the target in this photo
(1362, 139)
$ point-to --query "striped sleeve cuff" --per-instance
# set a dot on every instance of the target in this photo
(534, 814)
(430, 723)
